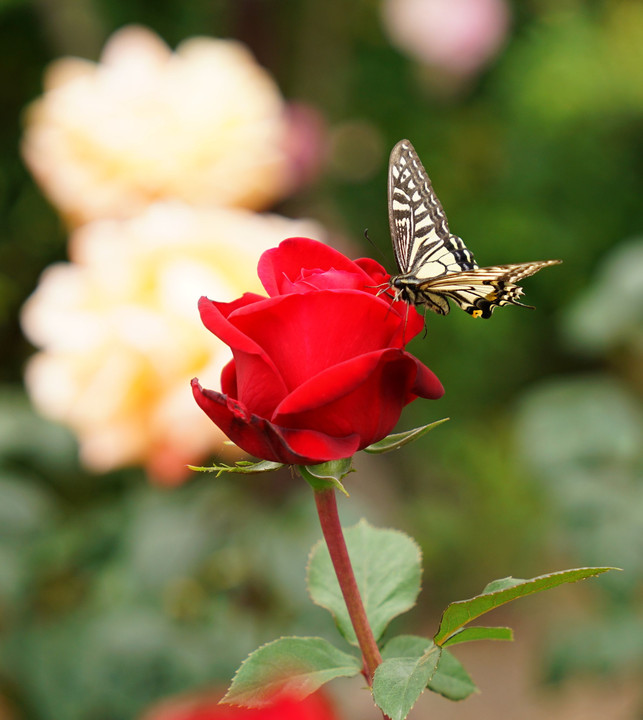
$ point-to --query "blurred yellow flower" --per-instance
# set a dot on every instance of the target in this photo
(204, 124)
(121, 336)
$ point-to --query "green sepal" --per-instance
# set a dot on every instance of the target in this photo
(499, 592)
(242, 466)
(327, 475)
(397, 440)
(293, 665)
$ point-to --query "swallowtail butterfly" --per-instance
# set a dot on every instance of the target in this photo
(436, 266)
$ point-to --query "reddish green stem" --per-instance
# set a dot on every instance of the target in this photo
(332, 529)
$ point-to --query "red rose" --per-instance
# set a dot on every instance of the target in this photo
(319, 369)
(314, 707)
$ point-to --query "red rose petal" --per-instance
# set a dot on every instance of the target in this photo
(257, 380)
(229, 379)
(373, 269)
(214, 315)
(267, 441)
(280, 267)
(306, 334)
(365, 395)
(426, 383)
(323, 280)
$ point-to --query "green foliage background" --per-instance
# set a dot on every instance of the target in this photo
(114, 593)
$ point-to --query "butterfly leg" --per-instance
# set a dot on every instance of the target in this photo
(426, 329)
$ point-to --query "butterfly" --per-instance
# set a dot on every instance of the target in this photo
(436, 266)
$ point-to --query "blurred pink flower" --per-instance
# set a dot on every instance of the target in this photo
(120, 335)
(204, 124)
(307, 142)
(459, 36)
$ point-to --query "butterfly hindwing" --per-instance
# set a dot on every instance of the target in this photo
(436, 266)
(480, 291)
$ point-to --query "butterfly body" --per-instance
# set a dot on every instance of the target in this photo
(436, 266)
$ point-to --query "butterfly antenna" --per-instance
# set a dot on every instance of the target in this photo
(384, 286)
(376, 248)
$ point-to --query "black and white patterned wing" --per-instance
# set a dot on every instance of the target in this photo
(436, 266)
(479, 292)
(423, 245)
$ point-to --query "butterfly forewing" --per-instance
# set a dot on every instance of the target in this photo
(422, 242)
(436, 266)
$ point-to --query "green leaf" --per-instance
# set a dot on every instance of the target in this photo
(479, 633)
(499, 592)
(409, 646)
(502, 584)
(399, 681)
(451, 680)
(388, 569)
(243, 466)
(294, 665)
(328, 474)
(397, 440)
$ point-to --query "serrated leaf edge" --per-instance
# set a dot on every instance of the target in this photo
(443, 653)
(364, 521)
(420, 660)
(523, 581)
(226, 701)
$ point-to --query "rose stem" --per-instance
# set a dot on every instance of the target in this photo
(332, 529)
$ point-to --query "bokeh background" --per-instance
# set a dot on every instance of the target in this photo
(137, 179)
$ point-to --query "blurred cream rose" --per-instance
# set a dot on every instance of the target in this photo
(458, 36)
(120, 334)
(204, 124)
